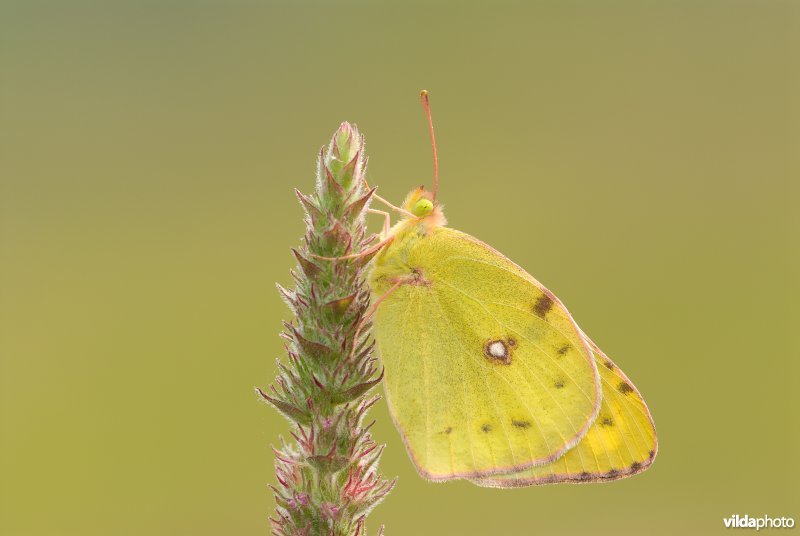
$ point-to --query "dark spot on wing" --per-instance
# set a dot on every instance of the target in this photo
(584, 476)
(512, 342)
(607, 421)
(564, 349)
(609, 365)
(635, 466)
(558, 384)
(543, 305)
(612, 473)
(521, 424)
(486, 428)
(448, 429)
(652, 454)
(624, 388)
(417, 278)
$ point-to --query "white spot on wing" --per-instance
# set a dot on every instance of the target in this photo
(498, 349)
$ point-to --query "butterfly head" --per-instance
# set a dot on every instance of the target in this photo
(422, 205)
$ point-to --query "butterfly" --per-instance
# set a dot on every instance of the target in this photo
(487, 375)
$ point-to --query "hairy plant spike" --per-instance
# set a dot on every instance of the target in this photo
(328, 480)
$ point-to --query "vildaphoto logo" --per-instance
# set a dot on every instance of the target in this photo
(764, 522)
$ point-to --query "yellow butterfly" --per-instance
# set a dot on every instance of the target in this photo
(487, 375)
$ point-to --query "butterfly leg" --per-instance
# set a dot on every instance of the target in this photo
(387, 220)
(388, 204)
(371, 311)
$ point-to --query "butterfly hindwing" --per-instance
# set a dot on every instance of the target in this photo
(621, 442)
(486, 372)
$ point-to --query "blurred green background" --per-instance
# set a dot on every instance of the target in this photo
(148, 155)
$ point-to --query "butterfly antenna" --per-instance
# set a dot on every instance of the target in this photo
(427, 106)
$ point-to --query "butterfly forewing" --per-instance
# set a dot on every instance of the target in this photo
(486, 372)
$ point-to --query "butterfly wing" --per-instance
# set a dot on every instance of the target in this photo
(486, 372)
(621, 442)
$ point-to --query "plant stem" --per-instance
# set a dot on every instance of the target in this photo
(328, 479)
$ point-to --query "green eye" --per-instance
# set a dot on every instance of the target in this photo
(422, 208)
